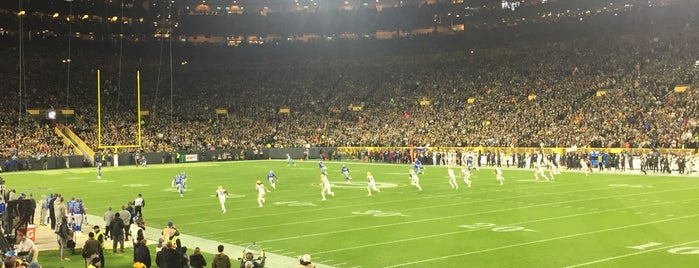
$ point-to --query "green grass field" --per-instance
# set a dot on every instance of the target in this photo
(604, 220)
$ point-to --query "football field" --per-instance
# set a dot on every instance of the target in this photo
(602, 220)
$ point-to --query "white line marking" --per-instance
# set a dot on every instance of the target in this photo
(538, 241)
(452, 216)
(630, 254)
(458, 232)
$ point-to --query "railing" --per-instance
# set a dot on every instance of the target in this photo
(67, 140)
(527, 150)
(81, 144)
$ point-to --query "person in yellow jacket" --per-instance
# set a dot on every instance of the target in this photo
(171, 234)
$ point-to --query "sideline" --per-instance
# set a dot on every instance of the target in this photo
(46, 240)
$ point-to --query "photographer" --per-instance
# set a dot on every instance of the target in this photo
(305, 262)
(250, 257)
(26, 249)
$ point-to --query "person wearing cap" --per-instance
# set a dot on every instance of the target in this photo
(261, 190)
(371, 183)
(305, 262)
(222, 194)
(91, 249)
(100, 237)
(221, 260)
(171, 235)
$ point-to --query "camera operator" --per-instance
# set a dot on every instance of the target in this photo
(250, 257)
(305, 262)
(26, 248)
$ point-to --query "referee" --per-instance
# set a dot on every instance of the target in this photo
(139, 203)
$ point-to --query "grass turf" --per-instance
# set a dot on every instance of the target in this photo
(604, 220)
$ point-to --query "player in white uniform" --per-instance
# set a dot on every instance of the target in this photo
(222, 194)
(452, 178)
(498, 175)
(539, 170)
(371, 183)
(466, 173)
(289, 160)
(414, 180)
(261, 190)
(325, 186)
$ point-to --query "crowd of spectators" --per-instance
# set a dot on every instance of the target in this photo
(608, 90)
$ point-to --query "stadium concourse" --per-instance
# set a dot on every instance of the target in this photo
(45, 239)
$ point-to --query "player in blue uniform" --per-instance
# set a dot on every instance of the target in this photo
(323, 168)
(469, 163)
(70, 207)
(177, 182)
(184, 181)
(345, 172)
(99, 170)
(417, 166)
(271, 177)
(79, 216)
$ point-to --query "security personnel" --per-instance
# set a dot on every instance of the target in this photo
(171, 234)
(99, 236)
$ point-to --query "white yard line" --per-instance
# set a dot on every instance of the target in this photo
(631, 254)
(538, 241)
(462, 215)
(508, 224)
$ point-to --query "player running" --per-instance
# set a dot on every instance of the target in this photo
(99, 170)
(371, 183)
(539, 170)
(271, 178)
(414, 180)
(417, 167)
(325, 186)
(261, 190)
(178, 183)
(222, 194)
(498, 175)
(323, 168)
(345, 173)
(466, 173)
(289, 160)
(452, 178)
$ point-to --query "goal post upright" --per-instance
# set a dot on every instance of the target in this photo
(138, 116)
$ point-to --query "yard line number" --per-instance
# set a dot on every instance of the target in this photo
(379, 213)
(675, 250)
(496, 228)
